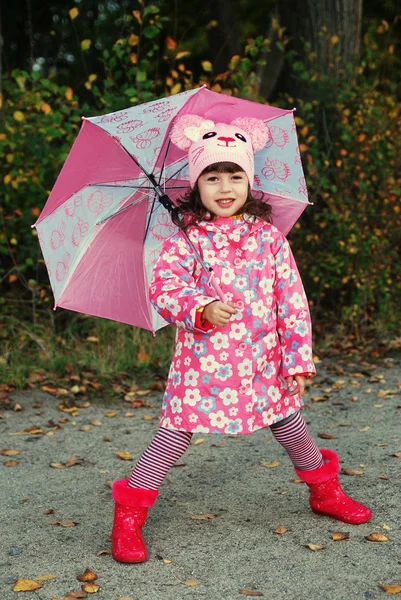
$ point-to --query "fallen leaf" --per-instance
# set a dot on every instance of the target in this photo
(76, 594)
(10, 463)
(351, 472)
(381, 445)
(91, 588)
(205, 517)
(397, 454)
(327, 436)
(339, 536)
(296, 481)
(191, 582)
(87, 576)
(26, 585)
(124, 455)
(71, 462)
(382, 477)
(143, 392)
(147, 417)
(124, 598)
(17, 407)
(386, 527)
(248, 592)
(319, 398)
(280, 530)
(96, 423)
(376, 537)
(197, 442)
(365, 428)
(314, 547)
(392, 588)
(110, 414)
(85, 428)
(30, 431)
(386, 393)
(271, 465)
(46, 577)
(65, 523)
(129, 414)
(50, 511)
(104, 552)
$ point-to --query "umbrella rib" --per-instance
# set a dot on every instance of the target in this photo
(120, 210)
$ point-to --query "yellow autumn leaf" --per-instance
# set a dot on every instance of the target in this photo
(93, 339)
(26, 585)
(124, 455)
(69, 93)
(207, 65)
(92, 77)
(182, 54)
(110, 414)
(46, 108)
(271, 465)
(74, 12)
(191, 582)
(176, 89)
(91, 588)
(46, 577)
(86, 44)
(133, 40)
(7, 178)
(18, 115)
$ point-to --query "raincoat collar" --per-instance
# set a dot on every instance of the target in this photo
(233, 227)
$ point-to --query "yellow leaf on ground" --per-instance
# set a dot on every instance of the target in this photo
(10, 463)
(351, 472)
(110, 414)
(124, 455)
(91, 588)
(26, 585)
(10, 452)
(205, 517)
(391, 588)
(46, 577)
(339, 536)
(197, 442)
(314, 547)
(271, 465)
(248, 592)
(87, 576)
(376, 537)
(191, 582)
(280, 530)
(92, 338)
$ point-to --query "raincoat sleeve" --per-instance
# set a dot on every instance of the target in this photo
(293, 319)
(173, 290)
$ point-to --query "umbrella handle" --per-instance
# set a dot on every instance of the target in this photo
(213, 283)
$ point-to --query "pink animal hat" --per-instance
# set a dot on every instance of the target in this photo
(208, 142)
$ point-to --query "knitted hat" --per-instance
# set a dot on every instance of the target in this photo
(208, 142)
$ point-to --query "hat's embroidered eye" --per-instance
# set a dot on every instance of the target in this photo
(240, 137)
(208, 135)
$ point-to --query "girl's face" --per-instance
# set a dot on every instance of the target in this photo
(223, 194)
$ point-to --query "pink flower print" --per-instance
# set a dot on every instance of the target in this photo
(278, 137)
(163, 228)
(196, 154)
(115, 118)
(57, 236)
(40, 237)
(72, 204)
(302, 186)
(63, 266)
(297, 159)
(129, 126)
(151, 160)
(98, 201)
(80, 230)
(144, 140)
(276, 169)
(157, 107)
(257, 181)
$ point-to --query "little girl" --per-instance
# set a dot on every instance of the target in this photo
(240, 364)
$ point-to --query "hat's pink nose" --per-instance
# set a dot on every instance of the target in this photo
(226, 139)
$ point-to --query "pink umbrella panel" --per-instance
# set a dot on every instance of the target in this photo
(103, 226)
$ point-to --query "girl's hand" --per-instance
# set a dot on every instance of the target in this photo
(297, 386)
(219, 313)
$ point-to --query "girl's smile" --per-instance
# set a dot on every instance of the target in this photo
(223, 194)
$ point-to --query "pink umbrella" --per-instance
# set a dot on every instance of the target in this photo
(107, 216)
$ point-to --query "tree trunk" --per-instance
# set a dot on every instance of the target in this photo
(224, 40)
(316, 22)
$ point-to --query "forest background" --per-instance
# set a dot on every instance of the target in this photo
(337, 63)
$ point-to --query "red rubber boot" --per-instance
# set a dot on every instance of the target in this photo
(326, 495)
(130, 513)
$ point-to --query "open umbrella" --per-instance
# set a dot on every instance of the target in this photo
(104, 223)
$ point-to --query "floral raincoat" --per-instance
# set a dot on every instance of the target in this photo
(231, 379)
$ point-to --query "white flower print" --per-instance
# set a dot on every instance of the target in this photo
(188, 339)
(237, 331)
(274, 393)
(250, 423)
(251, 244)
(170, 258)
(284, 271)
(249, 407)
(224, 253)
(224, 372)
(245, 367)
(173, 306)
(178, 363)
(220, 240)
(227, 275)
(229, 396)
(239, 353)
(258, 308)
(191, 397)
(250, 295)
(266, 285)
(218, 419)
(261, 362)
(208, 363)
(175, 404)
(270, 340)
(223, 356)
(233, 411)
(268, 416)
(193, 417)
(297, 300)
(306, 352)
(187, 361)
(191, 378)
(246, 387)
(201, 429)
(291, 321)
(219, 340)
(177, 420)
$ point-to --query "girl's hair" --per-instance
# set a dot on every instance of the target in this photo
(190, 210)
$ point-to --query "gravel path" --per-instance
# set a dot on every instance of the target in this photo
(214, 558)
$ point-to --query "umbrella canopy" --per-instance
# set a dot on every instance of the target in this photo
(102, 227)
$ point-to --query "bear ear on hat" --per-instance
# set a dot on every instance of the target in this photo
(187, 130)
(256, 129)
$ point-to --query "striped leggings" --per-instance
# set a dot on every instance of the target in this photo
(168, 446)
